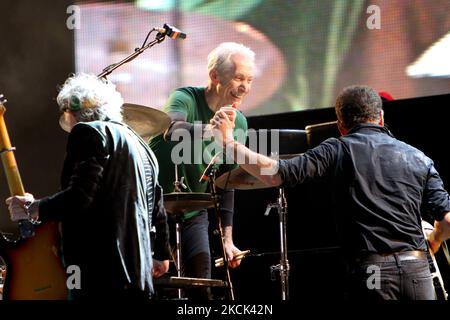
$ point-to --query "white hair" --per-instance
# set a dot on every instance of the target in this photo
(219, 59)
(90, 98)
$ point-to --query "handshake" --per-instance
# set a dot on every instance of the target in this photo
(221, 125)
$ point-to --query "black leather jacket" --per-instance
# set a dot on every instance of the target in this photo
(103, 207)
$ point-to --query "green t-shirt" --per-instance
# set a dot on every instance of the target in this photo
(191, 154)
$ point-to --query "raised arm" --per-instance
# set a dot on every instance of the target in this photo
(259, 166)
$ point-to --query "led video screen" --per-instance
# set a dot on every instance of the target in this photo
(306, 50)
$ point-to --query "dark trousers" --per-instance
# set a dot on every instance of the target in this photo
(399, 276)
(196, 254)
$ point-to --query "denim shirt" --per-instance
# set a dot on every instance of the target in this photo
(381, 186)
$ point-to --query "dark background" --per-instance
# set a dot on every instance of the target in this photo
(37, 56)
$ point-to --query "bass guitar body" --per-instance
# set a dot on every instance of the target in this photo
(33, 266)
(34, 270)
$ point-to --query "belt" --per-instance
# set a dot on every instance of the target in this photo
(391, 257)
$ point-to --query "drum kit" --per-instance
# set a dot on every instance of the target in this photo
(150, 122)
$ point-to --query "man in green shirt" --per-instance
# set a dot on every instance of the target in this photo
(230, 70)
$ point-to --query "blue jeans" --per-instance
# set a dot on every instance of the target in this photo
(390, 278)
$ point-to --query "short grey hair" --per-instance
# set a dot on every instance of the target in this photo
(219, 59)
(90, 98)
(358, 104)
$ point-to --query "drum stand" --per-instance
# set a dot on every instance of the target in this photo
(178, 250)
(283, 267)
(181, 282)
(178, 184)
(214, 196)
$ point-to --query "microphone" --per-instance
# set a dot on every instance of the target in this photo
(171, 31)
(209, 168)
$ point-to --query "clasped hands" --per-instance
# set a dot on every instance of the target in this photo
(222, 125)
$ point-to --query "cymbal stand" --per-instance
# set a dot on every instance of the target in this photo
(214, 196)
(177, 184)
(283, 267)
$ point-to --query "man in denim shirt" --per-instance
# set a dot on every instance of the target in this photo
(381, 187)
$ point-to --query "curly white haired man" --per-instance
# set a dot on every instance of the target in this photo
(109, 199)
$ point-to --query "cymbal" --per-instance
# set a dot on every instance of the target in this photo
(146, 121)
(182, 202)
(241, 180)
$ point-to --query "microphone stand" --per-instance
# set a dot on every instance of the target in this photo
(109, 69)
(214, 196)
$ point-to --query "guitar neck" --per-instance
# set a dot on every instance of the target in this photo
(9, 161)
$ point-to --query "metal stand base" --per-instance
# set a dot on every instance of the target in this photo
(178, 252)
(283, 267)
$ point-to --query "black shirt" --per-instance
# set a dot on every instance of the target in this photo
(381, 187)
